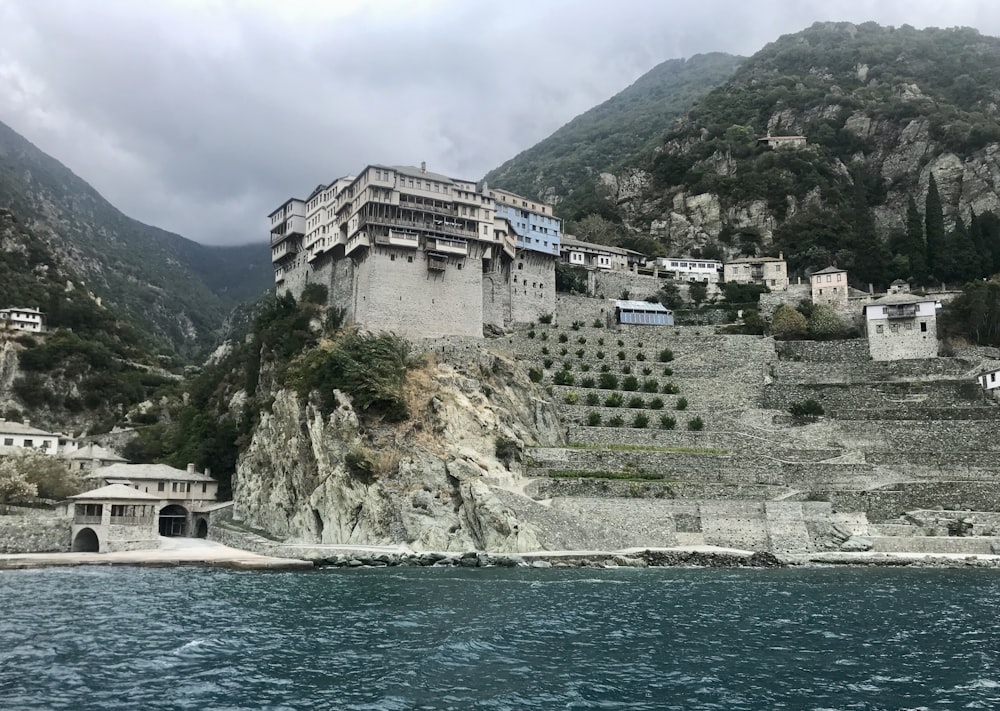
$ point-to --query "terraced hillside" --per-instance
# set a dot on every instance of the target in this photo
(683, 435)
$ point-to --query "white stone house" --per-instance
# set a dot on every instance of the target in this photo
(690, 269)
(783, 141)
(29, 320)
(771, 272)
(990, 381)
(112, 518)
(829, 286)
(592, 256)
(902, 327)
(21, 435)
(181, 494)
(90, 457)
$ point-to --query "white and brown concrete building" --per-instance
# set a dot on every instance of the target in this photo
(405, 249)
(181, 494)
(113, 518)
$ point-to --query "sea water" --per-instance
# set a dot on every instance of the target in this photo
(418, 638)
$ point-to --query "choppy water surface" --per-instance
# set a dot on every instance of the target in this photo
(104, 638)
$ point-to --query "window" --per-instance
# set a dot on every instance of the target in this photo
(878, 329)
(409, 259)
(923, 327)
(829, 278)
(204, 487)
(908, 326)
(29, 443)
(8, 441)
(993, 377)
(820, 292)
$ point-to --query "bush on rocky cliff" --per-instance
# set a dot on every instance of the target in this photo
(370, 368)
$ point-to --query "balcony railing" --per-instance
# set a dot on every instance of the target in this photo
(447, 227)
(448, 246)
(436, 264)
(131, 520)
(356, 242)
(396, 238)
(81, 518)
(901, 311)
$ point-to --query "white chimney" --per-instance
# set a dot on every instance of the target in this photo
(423, 166)
(190, 468)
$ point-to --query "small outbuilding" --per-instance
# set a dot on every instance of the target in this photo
(114, 518)
(641, 313)
(989, 380)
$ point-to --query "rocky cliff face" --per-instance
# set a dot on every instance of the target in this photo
(432, 482)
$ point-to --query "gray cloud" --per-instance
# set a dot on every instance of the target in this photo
(200, 118)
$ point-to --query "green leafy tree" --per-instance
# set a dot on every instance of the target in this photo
(825, 323)
(14, 484)
(788, 323)
(698, 293)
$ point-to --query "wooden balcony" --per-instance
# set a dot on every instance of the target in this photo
(435, 263)
(395, 238)
(895, 311)
(448, 246)
(358, 241)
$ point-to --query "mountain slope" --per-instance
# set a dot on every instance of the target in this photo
(175, 289)
(882, 110)
(601, 138)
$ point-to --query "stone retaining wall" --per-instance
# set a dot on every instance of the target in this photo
(882, 505)
(35, 534)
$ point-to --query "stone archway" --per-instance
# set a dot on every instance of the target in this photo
(173, 520)
(86, 541)
(201, 528)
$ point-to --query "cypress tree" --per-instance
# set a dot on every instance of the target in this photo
(916, 250)
(934, 230)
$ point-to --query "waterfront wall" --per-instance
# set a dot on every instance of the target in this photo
(35, 534)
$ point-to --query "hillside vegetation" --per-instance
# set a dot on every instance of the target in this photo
(177, 290)
(898, 180)
(607, 135)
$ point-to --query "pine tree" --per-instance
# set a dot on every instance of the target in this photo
(934, 231)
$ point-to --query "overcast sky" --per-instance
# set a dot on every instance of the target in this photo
(201, 116)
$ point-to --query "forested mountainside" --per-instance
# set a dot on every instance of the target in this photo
(177, 290)
(92, 365)
(610, 134)
(898, 178)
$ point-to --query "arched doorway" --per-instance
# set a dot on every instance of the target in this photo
(86, 541)
(201, 528)
(173, 520)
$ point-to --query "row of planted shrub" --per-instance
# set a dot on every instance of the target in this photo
(616, 399)
(624, 369)
(641, 421)
(610, 381)
(665, 356)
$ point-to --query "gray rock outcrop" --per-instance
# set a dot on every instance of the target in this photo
(430, 483)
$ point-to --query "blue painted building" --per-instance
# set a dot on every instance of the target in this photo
(535, 226)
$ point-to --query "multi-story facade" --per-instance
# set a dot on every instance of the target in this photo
(902, 327)
(771, 272)
(419, 253)
(30, 320)
(16, 436)
(537, 229)
(288, 227)
(829, 286)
